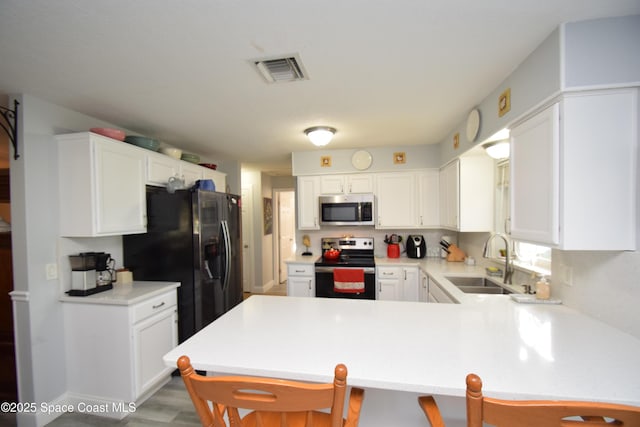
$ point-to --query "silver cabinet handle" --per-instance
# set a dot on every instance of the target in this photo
(158, 306)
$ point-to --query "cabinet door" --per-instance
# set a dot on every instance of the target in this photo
(436, 294)
(191, 173)
(153, 338)
(411, 286)
(449, 197)
(535, 178)
(396, 200)
(359, 183)
(475, 193)
(218, 178)
(307, 201)
(389, 283)
(160, 168)
(429, 198)
(301, 286)
(332, 184)
(389, 290)
(423, 292)
(119, 196)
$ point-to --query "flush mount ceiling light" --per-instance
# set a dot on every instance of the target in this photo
(497, 149)
(320, 135)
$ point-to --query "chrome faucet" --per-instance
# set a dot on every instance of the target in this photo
(508, 267)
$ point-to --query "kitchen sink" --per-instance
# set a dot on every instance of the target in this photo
(477, 285)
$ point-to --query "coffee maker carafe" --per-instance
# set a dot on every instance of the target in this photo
(105, 268)
(83, 272)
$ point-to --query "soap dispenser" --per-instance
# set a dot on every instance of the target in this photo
(543, 290)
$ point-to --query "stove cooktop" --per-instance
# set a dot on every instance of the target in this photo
(355, 252)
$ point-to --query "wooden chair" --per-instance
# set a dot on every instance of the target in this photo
(273, 402)
(533, 413)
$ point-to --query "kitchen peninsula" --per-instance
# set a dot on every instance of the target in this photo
(400, 350)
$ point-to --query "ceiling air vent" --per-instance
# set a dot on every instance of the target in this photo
(280, 70)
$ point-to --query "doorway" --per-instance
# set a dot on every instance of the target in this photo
(247, 239)
(286, 232)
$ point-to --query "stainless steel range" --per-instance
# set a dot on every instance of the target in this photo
(356, 256)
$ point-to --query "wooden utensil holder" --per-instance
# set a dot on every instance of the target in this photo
(455, 254)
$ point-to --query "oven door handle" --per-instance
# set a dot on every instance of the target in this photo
(367, 270)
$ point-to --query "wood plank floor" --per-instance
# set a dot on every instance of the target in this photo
(169, 406)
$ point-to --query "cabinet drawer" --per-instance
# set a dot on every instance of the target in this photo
(154, 305)
(301, 270)
(389, 273)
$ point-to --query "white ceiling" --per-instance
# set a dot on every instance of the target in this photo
(383, 72)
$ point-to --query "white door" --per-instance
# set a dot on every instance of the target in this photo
(287, 229)
(247, 238)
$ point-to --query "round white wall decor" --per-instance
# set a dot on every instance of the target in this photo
(361, 160)
(473, 124)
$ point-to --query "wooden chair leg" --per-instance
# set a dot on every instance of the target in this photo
(430, 408)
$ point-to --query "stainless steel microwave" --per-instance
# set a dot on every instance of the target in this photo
(352, 209)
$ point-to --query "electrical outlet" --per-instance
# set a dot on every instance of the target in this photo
(51, 271)
(566, 275)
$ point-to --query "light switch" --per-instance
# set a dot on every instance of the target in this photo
(51, 271)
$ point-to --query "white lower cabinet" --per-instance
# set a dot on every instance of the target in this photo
(397, 283)
(423, 291)
(301, 281)
(437, 294)
(114, 352)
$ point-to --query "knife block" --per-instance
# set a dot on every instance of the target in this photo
(455, 254)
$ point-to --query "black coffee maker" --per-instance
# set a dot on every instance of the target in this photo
(416, 246)
(105, 269)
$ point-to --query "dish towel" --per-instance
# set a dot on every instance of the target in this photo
(348, 280)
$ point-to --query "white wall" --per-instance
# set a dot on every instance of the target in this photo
(417, 157)
(602, 51)
(39, 327)
(589, 54)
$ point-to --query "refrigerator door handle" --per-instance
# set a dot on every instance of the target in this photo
(227, 254)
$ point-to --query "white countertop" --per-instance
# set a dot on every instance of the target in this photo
(124, 294)
(520, 351)
(438, 269)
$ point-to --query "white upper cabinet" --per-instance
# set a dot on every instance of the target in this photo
(218, 178)
(428, 198)
(573, 172)
(346, 184)
(160, 168)
(396, 200)
(535, 178)
(449, 196)
(307, 201)
(476, 193)
(191, 172)
(466, 194)
(101, 186)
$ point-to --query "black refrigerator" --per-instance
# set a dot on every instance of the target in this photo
(193, 237)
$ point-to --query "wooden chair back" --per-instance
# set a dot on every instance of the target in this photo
(533, 413)
(543, 413)
(272, 402)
